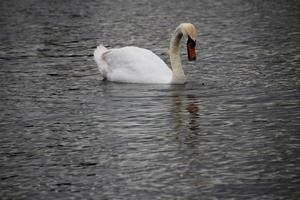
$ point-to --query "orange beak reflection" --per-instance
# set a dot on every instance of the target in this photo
(191, 49)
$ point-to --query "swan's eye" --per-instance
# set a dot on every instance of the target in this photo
(191, 43)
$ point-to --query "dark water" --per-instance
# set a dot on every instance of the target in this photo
(232, 132)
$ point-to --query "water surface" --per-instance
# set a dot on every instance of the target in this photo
(232, 132)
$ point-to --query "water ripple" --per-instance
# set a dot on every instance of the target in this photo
(232, 132)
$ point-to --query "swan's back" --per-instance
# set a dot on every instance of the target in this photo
(132, 65)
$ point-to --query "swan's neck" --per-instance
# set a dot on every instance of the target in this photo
(175, 57)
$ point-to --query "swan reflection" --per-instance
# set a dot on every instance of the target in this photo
(180, 109)
(193, 109)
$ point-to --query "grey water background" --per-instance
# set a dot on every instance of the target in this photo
(232, 132)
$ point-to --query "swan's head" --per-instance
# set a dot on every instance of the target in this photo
(190, 32)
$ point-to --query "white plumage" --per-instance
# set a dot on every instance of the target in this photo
(132, 65)
(137, 65)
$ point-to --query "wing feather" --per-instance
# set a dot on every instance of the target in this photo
(137, 65)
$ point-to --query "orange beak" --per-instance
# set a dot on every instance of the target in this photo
(191, 50)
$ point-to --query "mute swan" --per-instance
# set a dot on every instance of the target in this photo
(136, 65)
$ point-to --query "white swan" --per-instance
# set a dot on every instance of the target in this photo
(137, 65)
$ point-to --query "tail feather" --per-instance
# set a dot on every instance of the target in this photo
(102, 65)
